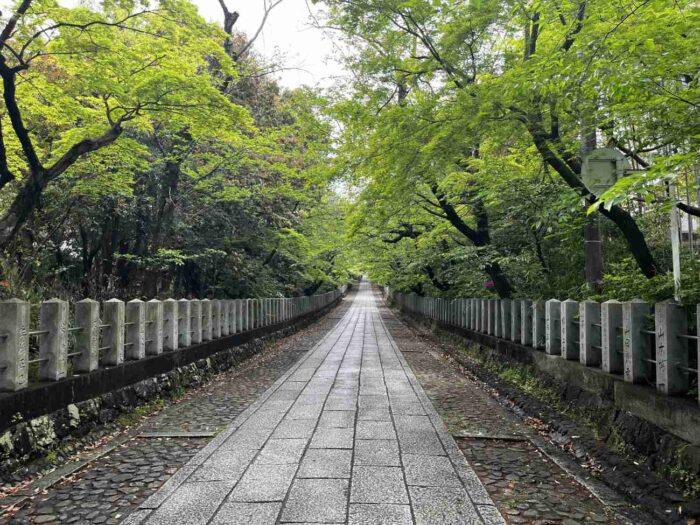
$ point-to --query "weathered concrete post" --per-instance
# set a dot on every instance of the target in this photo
(135, 337)
(248, 309)
(497, 323)
(154, 327)
(635, 320)
(506, 320)
(590, 333)
(170, 324)
(196, 315)
(215, 319)
(14, 344)
(87, 336)
(611, 336)
(552, 327)
(206, 320)
(184, 326)
(526, 322)
(225, 320)
(570, 344)
(671, 321)
(113, 333)
(473, 310)
(53, 340)
(235, 312)
(485, 316)
(516, 323)
(538, 324)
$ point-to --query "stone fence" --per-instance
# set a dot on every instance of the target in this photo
(67, 341)
(641, 342)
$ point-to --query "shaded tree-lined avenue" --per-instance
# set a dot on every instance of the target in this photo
(171, 215)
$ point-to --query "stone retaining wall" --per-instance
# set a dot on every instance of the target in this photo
(38, 419)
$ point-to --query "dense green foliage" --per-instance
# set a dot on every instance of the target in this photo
(144, 152)
(464, 130)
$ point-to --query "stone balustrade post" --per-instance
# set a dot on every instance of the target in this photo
(553, 327)
(196, 315)
(497, 323)
(184, 329)
(570, 344)
(526, 322)
(538, 324)
(135, 336)
(506, 321)
(485, 316)
(516, 323)
(635, 321)
(207, 320)
(590, 333)
(113, 332)
(171, 323)
(14, 344)
(154, 327)
(53, 340)
(671, 321)
(474, 315)
(235, 317)
(87, 336)
(611, 337)
(225, 317)
(215, 319)
(247, 307)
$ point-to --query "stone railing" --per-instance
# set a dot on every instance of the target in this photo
(80, 339)
(643, 343)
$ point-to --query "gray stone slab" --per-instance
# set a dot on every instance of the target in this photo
(282, 452)
(317, 500)
(377, 453)
(337, 419)
(446, 506)
(417, 436)
(373, 401)
(429, 471)
(325, 463)
(379, 514)
(378, 485)
(264, 483)
(333, 438)
(192, 503)
(236, 512)
(304, 412)
(294, 429)
(373, 414)
(490, 515)
(340, 403)
(225, 465)
(375, 430)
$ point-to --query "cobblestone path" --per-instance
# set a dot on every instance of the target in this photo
(113, 486)
(346, 436)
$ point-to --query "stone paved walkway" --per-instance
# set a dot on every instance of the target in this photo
(346, 436)
(114, 485)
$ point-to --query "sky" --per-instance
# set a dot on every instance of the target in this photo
(308, 51)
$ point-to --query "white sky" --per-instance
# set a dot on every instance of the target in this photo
(307, 52)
